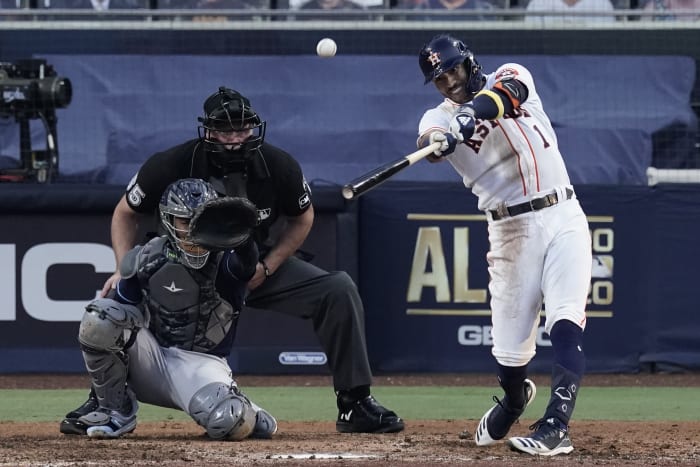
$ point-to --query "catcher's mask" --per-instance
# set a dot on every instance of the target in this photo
(443, 53)
(177, 207)
(231, 130)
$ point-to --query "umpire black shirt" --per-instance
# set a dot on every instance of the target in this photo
(273, 181)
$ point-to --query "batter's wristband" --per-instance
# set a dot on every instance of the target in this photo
(265, 268)
(485, 108)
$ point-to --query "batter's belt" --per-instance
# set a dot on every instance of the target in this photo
(534, 204)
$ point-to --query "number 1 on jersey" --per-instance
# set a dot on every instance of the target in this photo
(544, 140)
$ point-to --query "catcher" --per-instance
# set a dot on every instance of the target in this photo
(163, 335)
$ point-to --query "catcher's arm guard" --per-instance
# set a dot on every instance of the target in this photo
(223, 223)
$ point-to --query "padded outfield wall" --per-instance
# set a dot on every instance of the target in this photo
(620, 100)
(643, 307)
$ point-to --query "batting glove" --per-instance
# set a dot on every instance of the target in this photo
(463, 123)
(447, 140)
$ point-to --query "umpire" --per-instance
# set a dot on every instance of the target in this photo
(231, 154)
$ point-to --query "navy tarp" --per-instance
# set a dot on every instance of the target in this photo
(345, 116)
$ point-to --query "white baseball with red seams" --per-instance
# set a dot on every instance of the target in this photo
(326, 47)
(509, 160)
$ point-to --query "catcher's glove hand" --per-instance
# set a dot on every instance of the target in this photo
(223, 223)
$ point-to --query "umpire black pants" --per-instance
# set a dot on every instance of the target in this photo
(331, 302)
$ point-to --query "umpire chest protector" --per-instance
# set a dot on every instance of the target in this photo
(185, 309)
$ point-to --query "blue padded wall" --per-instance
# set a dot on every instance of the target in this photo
(345, 116)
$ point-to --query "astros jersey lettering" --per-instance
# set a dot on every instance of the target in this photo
(508, 160)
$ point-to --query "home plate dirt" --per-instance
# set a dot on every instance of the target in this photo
(324, 455)
(423, 443)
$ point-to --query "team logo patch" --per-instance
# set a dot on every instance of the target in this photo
(264, 214)
(172, 288)
(132, 182)
(506, 73)
(304, 200)
(463, 119)
(135, 195)
(434, 59)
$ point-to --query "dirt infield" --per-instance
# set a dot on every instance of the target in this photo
(439, 442)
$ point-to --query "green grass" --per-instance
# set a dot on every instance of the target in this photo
(412, 403)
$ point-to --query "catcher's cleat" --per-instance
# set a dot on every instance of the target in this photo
(265, 425)
(495, 423)
(366, 416)
(549, 438)
(106, 423)
(71, 425)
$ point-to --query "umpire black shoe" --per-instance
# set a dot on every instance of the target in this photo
(71, 425)
(496, 423)
(366, 416)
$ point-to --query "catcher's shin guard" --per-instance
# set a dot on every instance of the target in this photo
(223, 411)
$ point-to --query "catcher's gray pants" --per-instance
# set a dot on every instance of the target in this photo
(169, 377)
(332, 303)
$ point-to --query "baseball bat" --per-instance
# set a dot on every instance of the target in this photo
(375, 177)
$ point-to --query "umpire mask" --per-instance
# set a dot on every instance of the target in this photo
(231, 130)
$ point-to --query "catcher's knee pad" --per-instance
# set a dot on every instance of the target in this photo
(223, 411)
(108, 325)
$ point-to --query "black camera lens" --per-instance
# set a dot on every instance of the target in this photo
(32, 86)
(55, 92)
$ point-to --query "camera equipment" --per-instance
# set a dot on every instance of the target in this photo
(30, 89)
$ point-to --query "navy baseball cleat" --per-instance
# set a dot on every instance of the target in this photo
(366, 416)
(106, 423)
(495, 423)
(549, 438)
(71, 425)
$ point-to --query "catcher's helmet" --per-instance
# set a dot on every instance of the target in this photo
(443, 53)
(181, 199)
(228, 111)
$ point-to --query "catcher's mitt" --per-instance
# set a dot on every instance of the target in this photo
(223, 223)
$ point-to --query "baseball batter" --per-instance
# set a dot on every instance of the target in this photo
(163, 335)
(496, 134)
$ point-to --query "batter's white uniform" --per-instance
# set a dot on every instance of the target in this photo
(539, 255)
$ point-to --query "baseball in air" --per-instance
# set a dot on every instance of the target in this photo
(326, 47)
